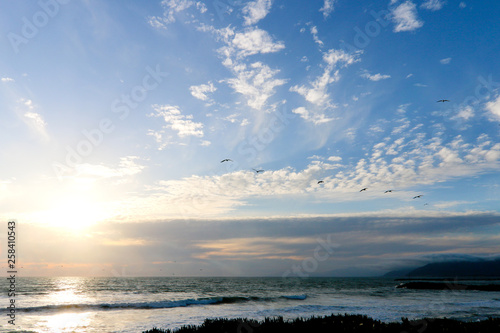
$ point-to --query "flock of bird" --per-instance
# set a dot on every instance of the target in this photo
(322, 182)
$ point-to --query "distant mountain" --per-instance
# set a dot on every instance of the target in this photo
(403, 272)
(482, 268)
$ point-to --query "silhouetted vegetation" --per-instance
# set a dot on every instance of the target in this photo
(337, 323)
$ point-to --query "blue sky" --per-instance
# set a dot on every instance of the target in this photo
(116, 117)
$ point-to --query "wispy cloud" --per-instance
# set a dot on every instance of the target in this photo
(314, 117)
(256, 82)
(33, 119)
(494, 107)
(256, 10)
(375, 77)
(327, 8)
(7, 79)
(464, 113)
(173, 8)
(314, 33)
(176, 121)
(405, 17)
(253, 41)
(200, 92)
(432, 5)
(126, 167)
(317, 92)
(445, 61)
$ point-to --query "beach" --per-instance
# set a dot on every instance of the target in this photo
(139, 304)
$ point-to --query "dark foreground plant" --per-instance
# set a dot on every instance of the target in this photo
(336, 323)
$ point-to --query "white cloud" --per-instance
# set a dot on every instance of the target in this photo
(156, 22)
(174, 120)
(171, 8)
(201, 90)
(462, 5)
(419, 161)
(445, 61)
(465, 113)
(7, 79)
(314, 32)
(315, 118)
(375, 77)
(33, 119)
(405, 17)
(317, 93)
(205, 143)
(255, 41)
(256, 82)
(36, 122)
(126, 167)
(334, 158)
(36, 119)
(256, 10)
(432, 5)
(494, 107)
(327, 8)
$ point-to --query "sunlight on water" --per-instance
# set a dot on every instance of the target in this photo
(66, 322)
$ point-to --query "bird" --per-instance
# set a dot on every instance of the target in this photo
(388, 191)
(417, 196)
(443, 100)
(257, 171)
(320, 182)
(226, 160)
(363, 189)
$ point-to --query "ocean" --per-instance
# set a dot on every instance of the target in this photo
(132, 304)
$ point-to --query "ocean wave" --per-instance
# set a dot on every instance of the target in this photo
(297, 297)
(155, 304)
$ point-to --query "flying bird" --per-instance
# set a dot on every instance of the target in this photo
(257, 171)
(417, 196)
(443, 100)
(226, 160)
(388, 191)
(363, 189)
(320, 182)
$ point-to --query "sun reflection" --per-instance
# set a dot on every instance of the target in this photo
(67, 299)
(68, 322)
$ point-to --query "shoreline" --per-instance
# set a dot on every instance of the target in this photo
(337, 323)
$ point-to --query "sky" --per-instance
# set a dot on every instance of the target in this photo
(362, 136)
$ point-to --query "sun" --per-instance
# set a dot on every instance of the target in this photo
(74, 213)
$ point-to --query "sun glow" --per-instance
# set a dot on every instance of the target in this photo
(74, 213)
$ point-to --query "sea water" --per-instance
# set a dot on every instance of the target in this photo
(133, 304)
